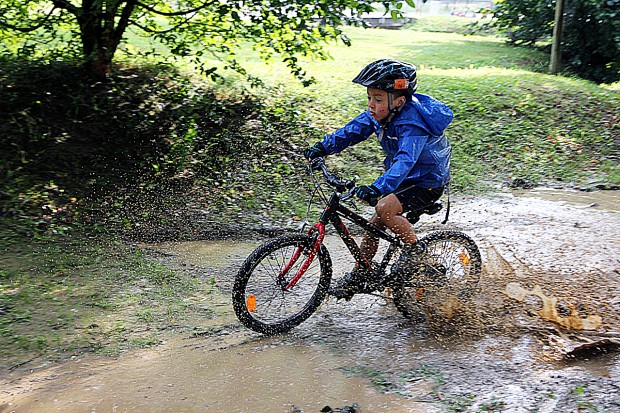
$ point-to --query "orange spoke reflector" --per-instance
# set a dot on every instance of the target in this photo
(250, 303)
(464, 258)
(419, 294)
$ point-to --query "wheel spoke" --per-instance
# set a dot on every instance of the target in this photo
(453, 264)
(278, 309)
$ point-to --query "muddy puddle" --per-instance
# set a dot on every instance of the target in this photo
(194, 376)
(541, 335)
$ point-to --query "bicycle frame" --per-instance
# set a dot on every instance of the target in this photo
(333, 214)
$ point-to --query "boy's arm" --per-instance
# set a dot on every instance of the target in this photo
(356, 131)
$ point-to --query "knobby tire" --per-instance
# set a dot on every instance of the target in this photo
(452, 261)
(259, 299)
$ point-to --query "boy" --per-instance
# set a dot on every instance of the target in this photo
(410, 128)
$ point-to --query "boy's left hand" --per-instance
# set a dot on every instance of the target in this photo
(315, 151)
(367, 192)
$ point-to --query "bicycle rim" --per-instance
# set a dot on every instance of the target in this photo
(261, 298)
(453, 261)
(452, 264)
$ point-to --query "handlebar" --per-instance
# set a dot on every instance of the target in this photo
(332, 180)
(335, 182)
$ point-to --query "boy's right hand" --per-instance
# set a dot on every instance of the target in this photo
(368, 193)
(315, 151)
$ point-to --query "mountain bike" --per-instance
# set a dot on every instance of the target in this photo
(285, 280)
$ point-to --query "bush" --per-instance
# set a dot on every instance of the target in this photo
(134, 149)
(591, 41)
(67, 138)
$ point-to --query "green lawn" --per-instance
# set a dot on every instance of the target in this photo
(512, 119)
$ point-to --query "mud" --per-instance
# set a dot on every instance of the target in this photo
(549, 257)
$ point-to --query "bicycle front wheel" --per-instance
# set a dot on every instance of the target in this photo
(452, 263)
(264, 298)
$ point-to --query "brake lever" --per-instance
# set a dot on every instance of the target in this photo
(349, 197)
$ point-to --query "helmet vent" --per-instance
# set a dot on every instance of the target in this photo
(389, 75)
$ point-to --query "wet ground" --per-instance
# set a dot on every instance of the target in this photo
(541, 336)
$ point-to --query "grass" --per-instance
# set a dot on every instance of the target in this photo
(512, 120)
(63, 297)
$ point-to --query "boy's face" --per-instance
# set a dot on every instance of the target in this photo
(378, 103)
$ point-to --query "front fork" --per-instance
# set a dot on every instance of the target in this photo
(319, 228)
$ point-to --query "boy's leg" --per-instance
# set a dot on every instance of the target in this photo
(370, 242)
(389, 214)
(389, 210)
(357, 281)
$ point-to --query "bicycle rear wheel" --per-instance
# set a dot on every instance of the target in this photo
(452, 263)
(261, 298)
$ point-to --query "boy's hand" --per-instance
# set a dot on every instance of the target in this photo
(367, 192)
(315, 151)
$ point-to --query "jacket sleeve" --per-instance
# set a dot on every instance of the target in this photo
(411, 141)
(356, 131)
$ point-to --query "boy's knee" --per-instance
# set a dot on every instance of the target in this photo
(383, 212)
(388, 207)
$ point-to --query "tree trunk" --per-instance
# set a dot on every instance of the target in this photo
(556, 46)
(102, 30)
(98, 69)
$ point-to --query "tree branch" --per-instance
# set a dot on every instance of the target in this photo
(146, 29)
(28, 29)
(177, 13)
(65, 5)
(124, 20)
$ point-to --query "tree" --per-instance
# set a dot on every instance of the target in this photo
(94, 29)
(591, 40)
(556, 46)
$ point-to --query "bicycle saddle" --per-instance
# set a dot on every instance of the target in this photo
(414, 215)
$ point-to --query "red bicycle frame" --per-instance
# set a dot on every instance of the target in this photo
(333, 214)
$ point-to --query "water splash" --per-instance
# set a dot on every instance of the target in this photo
(550, 312)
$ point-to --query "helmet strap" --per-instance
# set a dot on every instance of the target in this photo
(393, 111)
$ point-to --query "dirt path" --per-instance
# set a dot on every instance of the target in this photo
(551, 285)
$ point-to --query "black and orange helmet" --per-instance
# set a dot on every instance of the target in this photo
(390, 76)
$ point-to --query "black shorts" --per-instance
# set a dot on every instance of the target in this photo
(414, 197)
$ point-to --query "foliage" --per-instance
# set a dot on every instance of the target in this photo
(196, 28)
(525, 22)
(41, 210)
(591, 40)
(73, 158)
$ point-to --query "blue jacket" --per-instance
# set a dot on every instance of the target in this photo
(418, 152)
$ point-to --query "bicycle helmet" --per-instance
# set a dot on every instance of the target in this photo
(390, 76)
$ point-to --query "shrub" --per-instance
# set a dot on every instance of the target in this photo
(591, 40)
